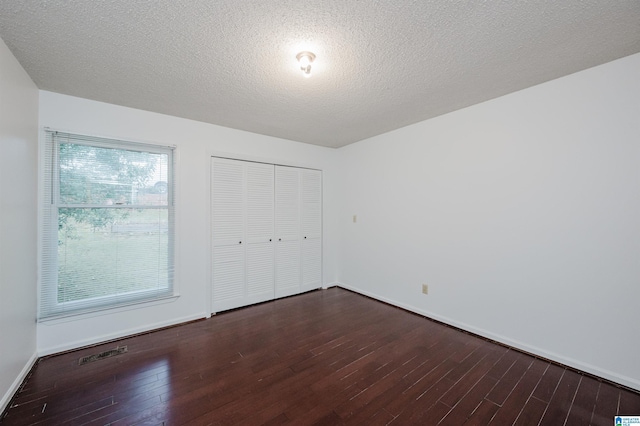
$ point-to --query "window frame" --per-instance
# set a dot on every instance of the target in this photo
(48, 306)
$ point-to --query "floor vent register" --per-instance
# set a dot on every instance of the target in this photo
(102, 355)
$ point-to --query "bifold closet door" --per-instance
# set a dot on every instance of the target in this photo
(287, 231)
(242, 217)
(311, 223)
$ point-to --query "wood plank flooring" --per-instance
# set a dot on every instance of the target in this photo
(323, 358)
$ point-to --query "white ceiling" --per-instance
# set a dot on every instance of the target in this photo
(380, 64)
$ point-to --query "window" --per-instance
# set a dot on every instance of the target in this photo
(108, 224)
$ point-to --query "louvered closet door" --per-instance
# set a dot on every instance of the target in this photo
(311, 219)
(287, 220)
(242, 229)
(227, 234)
(259, 225)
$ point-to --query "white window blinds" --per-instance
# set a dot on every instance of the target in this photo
(108, 224)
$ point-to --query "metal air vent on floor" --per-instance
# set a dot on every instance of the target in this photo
(102, 355)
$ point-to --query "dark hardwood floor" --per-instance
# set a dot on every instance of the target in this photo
(322, 358)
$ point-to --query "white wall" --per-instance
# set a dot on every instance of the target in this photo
(18, 250)
(196, 141)
(522, 214)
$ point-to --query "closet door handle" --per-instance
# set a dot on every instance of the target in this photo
(305, 238)
(240, 242)
(279, 239)
(269, 239)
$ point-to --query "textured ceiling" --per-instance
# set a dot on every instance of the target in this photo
(380, 64)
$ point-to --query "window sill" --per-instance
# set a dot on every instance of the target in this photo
(64, 318)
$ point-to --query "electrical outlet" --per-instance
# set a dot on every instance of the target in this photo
(355, 218)
(425, 289)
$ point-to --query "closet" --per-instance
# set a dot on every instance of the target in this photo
(266, 232)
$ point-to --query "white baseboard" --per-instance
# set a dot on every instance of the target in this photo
(329, 285)
(6, 398)
(588, 368)
(116, 335)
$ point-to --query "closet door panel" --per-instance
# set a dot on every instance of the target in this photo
(227, 234)
(287, 231)
(259, 236)
(311, 214)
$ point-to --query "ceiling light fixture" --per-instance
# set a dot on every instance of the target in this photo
(305, 59)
